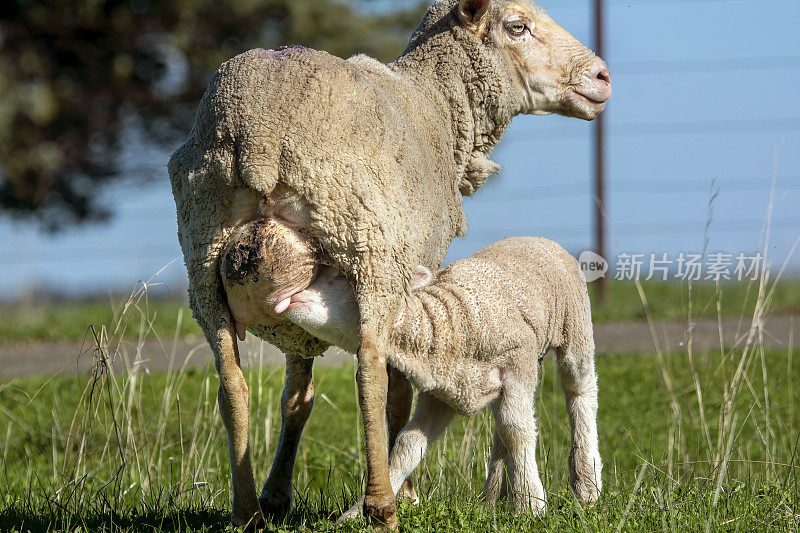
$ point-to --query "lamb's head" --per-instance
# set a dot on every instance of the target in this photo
(328, 310)
(548, 70)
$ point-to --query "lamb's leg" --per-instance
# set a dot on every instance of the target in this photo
(233, 407)
(579, 383)
(296, 403)
(398, 409)
(514, 416)
(496, 486)
(431, 418)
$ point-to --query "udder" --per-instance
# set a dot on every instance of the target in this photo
(264, 263)
(327, 310)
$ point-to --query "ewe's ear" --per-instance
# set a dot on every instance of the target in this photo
(471, 12)
(422, 277)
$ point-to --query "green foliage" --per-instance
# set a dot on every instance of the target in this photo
(70, 321)
(73, 73)
(695, 441)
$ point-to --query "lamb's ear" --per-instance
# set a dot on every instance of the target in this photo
(422, 277)
(471, 12)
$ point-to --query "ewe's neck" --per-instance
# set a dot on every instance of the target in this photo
(447, 63)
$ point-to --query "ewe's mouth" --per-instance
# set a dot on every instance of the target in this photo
(590, 99)
(579, 105)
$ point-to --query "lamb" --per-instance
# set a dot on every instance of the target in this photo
(371, 162)
(474, 334)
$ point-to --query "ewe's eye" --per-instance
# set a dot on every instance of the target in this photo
(516, 28)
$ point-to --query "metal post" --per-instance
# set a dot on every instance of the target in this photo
(599, 162)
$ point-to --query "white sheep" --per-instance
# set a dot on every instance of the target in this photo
(370, 161)
(474, 334)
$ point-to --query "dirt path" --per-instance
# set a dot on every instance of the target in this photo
(47, 358)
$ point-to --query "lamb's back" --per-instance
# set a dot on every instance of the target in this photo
(529, 279)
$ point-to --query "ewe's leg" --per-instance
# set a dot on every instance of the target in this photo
(372, 382)
(431, 418)
(233, 408)
(496, 486)
(296, 403)
(516, 425)
(579, 382)
(398, 409)
(379, 253)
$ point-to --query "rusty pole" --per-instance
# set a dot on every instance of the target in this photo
(599, 162)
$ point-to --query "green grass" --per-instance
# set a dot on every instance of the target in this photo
(148, 452)
(671, 300)
(691, 441)
(69, 321)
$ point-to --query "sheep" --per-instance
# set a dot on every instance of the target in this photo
(466, 334)
(474, 334)
(371, 161)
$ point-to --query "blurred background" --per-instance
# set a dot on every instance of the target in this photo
(95, 95)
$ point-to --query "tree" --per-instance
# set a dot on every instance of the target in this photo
(72, 72)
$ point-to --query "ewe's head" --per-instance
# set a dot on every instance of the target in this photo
(548, 70)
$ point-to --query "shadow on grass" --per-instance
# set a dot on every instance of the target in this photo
(16, 519)
(19, 518)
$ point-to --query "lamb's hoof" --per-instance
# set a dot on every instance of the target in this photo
(407, 493)
(587, 498)
(274, 507)
(352, 513)
(381, 513)
(586, 490)
(585, 477)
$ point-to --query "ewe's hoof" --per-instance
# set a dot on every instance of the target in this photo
(249, 525)
(381, 513)
(274, 507)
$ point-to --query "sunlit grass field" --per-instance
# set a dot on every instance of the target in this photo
(145, 452)
(691, 441)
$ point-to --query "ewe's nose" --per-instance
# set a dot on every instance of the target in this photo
(601, 78)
